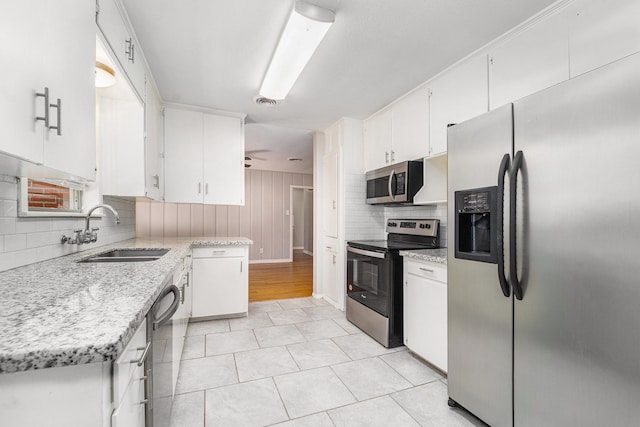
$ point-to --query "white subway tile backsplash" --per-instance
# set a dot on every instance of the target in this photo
(15, 242)
(27, 240)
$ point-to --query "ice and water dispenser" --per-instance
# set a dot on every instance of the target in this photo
(476, 224)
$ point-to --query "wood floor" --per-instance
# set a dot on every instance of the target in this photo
(282, 280)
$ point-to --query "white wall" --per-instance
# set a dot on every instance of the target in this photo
(28, 240)
(263, 218)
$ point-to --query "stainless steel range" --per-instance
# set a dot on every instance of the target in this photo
(374, 277)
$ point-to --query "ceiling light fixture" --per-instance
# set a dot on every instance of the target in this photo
(304, 31)
(105, 76)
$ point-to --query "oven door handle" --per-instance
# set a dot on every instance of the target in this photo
(162, 319)
(365, 252)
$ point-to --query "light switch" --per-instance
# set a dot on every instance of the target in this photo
(286, 212)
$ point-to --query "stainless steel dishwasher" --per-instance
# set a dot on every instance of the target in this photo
(159, 362)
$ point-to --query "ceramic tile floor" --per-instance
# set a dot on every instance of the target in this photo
(299, 362)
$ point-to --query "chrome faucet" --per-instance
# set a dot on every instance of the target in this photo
(89, 235)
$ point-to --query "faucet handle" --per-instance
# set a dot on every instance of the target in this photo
(95, 228)
(78, 230)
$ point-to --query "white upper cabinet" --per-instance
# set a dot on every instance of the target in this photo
(113, 24)
(223, 156)
(183, 156)
(456, 96)
(378, 151)
(154, 174)
(49, 48)
(410, 126)
(121, 136)
(602, 31)
(532, 60)
(204, 158)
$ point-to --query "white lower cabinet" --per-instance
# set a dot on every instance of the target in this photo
(425, 310)
(95, 394)
(220, 281)
(129, 382)
(330, 283)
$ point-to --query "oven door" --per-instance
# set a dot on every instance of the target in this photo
(369, 275)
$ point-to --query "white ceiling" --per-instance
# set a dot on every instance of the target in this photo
(214, 53)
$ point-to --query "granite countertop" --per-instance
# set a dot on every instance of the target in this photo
(60, 312)
(433, 255)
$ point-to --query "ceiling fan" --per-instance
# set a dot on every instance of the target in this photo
(249, 155)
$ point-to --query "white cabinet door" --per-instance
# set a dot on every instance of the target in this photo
(154, 176)
(456, 96)
(425, 311)
(23, 43)
(223, 154)
(220, 285)
(115, 30)
(532, 60)
(49, 45)
(410, 130)
(377, 141)
(121, 134)
(330, 199)
(331, 284)
(602, 31)
(70, 61)
(183, 156)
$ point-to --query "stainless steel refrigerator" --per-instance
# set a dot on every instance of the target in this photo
(544, 255)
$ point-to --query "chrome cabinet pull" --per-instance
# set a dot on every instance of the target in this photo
(128, 49)
(44, 118)
(156, 177)
(428, 270)
(393, 156)
(386, 157)
(199, 188)
(142, 359)
(206, 188)
(58, 126)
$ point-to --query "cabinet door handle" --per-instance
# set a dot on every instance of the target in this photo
(428, 270)
(58, 126)
(199, 188)
(44, 118)
(219, 252)
(386, 157)
(156, 178)
(142, 359)
(393, 156)
(241, 266)
(334, 259)
(334, 204)
(206, 188)
(128, 49)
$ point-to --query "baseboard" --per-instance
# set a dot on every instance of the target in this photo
(269, 261)
(307, 252)
(297, 248)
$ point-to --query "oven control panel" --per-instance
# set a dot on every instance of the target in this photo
(419, 227)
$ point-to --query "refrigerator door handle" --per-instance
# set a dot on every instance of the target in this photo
(513, 267)
(502, 171)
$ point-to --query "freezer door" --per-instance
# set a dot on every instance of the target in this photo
(479, 315)
(577, 329)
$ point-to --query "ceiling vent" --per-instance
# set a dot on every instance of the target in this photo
(267, 102)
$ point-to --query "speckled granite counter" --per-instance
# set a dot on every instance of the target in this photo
(433, 255)
(61, 312)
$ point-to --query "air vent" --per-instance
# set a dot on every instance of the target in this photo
(268, 102)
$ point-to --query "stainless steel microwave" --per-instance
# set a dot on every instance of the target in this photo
(395, 184)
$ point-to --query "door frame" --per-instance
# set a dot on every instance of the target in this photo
(291, 188)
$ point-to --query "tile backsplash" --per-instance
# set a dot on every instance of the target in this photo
(27, 240)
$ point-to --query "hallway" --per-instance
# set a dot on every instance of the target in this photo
(282, 280)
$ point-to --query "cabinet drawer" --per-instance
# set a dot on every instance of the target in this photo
(219, 252)
(430, 270)
(123, 368)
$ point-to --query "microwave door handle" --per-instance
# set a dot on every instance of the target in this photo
(391, 194)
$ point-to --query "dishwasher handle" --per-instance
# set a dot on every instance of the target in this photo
(158, 321)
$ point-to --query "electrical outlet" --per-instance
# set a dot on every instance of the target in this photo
(261, 250)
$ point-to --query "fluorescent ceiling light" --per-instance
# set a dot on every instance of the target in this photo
(304, 31)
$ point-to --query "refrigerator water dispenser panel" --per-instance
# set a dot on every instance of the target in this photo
(475, 227)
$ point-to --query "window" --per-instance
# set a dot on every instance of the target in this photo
(44, 197)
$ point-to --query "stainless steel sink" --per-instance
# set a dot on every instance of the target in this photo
(128, 255)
